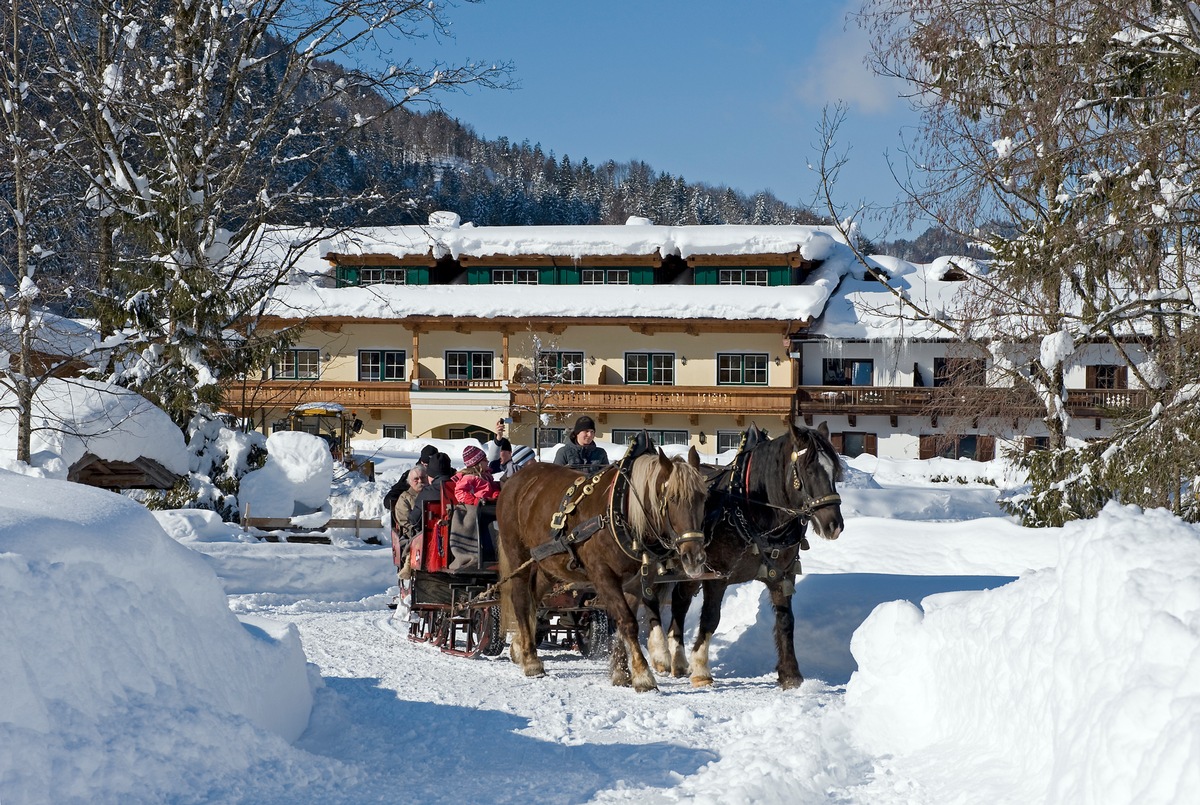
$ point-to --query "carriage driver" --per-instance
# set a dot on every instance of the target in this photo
(581, 450)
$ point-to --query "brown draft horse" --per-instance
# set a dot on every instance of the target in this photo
(756, 524)
(664, 519)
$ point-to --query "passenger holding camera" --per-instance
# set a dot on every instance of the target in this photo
(506, 460)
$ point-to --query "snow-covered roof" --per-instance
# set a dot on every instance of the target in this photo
(445, 236)
(72, 418)
(52, 335)
(838, 295)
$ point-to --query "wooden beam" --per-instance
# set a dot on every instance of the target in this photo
(381, 259)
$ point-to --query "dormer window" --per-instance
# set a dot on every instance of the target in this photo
(742, 276)
(382, 276)
(514, 276)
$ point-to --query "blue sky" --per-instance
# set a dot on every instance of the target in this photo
(717, 92)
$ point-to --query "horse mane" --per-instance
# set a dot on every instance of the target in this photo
(683, 481)
(823, 447)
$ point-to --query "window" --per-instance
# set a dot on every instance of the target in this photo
(741, 370)
(560, 367)
(548, 437)
(395, 431)
(655, 368)
(466, 365)
(381, 364)
(848, 372)
(605, 276)
(1107, 376)
(1031, 443)
(959, 372)
(514, 276)
(297, 364)
(742, 276)
(279, 425)
(855, 444)
(382, 276)
(728, 440)
(660, 437)
(978, 448)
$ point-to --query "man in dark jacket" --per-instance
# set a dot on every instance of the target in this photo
(439, 471)
(581, 450)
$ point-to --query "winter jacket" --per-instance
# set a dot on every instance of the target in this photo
(586, 458)
(474, 489)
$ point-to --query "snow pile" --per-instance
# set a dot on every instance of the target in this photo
(72, 418)
(295, 480)
(125, 675)
(1080, 683)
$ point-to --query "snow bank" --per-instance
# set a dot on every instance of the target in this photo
(295, 480)
(1081, 683)
(130, 652)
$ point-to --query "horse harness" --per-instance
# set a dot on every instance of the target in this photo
(614, 517)
(770, 543)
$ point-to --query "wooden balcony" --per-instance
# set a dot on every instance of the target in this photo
(243, 398)
(442, 384)
(896, 401)
(732, 400)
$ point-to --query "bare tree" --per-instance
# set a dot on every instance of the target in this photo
(1059, 136)
(205, 123)
(544, 380)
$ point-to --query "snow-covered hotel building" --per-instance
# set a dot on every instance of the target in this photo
(689, 332)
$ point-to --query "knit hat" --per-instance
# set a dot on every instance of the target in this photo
(583, 423)
(472, 455)
(522, 456)
(427, 452)
(504, 444)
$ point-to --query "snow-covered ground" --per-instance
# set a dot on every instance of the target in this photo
(951, 656)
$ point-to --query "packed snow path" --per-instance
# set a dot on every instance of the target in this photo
(413, 722)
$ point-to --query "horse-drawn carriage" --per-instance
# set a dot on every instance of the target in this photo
(576, 546)
(455, 605)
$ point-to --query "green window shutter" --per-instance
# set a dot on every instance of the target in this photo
(547, 275)
(706, 275)
(779, 275)
(417, 276)
(477, 275)
(569, 276)
(641, 275)
(346, 276)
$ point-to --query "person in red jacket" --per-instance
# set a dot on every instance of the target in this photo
(473, 484)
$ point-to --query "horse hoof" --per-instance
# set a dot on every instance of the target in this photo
(702, 682)
(535, 670)
(660, 668)
(642, 688)
(790, 683)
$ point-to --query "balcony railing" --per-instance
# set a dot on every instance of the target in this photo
(731, 400)
(443, 384)
(915, 400)
(242, 398)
